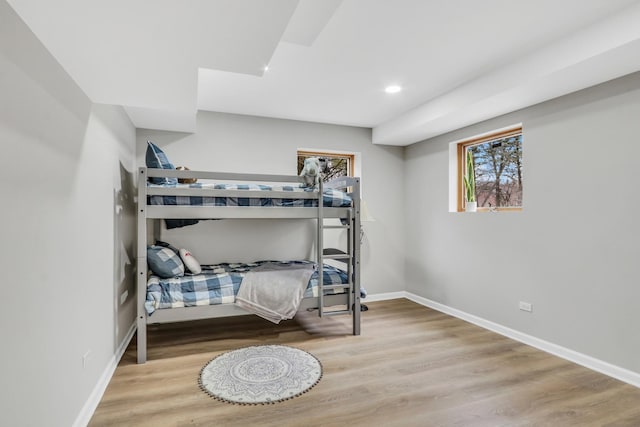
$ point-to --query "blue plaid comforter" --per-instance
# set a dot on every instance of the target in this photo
(219, 284)
(331, 198)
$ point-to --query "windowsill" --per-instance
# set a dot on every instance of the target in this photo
(495, 210)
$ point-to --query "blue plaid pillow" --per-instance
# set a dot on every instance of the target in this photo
(164, 262)
(157, 159)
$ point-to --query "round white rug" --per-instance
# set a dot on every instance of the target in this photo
(260, 374)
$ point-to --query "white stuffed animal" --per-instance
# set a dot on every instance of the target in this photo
(311, 172)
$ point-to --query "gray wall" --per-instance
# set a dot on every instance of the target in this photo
(573, 250)
(67, 233)
(235, 143)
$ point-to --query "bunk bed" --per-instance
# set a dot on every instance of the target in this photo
(247, 196)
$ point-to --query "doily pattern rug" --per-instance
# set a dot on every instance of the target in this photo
(262, 374)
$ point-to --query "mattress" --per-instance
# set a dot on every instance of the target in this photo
(219, 284)
(331, 197)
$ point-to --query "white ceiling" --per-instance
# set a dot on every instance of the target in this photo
(458, 61)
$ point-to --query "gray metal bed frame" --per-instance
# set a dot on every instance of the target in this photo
(149, 217)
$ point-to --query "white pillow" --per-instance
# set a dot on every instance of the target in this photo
(190, 262)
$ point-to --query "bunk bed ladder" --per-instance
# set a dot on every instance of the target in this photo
(351, 257)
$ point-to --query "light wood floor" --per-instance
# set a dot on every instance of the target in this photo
(412, 366)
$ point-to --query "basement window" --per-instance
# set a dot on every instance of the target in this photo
(498, 172)
(334, 165)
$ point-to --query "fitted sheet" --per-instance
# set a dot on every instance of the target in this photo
(331, 197)
(219, 284)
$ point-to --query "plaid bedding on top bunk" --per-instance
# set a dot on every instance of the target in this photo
(331, 198)
(219, 284)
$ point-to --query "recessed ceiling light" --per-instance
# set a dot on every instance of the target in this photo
(393, 89)
(266, 68)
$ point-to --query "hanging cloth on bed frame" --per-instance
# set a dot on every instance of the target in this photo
(274, 291)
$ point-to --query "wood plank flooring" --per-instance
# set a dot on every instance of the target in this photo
(412, 366)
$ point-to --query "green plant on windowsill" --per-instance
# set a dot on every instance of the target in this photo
(470, 185)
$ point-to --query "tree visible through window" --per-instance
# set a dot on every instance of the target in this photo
(333, 165)
(497, 162)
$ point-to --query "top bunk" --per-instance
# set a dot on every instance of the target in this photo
(182, 194)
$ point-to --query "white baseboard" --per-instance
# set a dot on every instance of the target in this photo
(383, 297)
(98, 391)
(598, 365)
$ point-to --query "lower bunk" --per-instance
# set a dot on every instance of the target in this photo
(214, 292)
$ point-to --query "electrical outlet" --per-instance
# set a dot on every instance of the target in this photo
(123, 297)
(525, 306)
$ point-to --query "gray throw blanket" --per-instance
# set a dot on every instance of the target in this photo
(273, 290)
